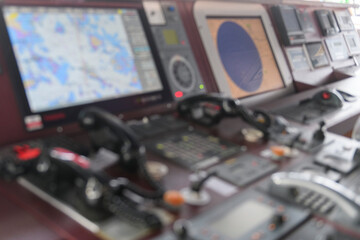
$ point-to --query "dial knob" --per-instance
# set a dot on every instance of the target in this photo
(182, 73)
(276, 221)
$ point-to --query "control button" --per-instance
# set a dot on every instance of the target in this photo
(26, 153)
(278, 150)
(179, 94)
(156, 169)
(160, 146)
(252, 135)
(174, 198)
(171, 8)
(326, 95)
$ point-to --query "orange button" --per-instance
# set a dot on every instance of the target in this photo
(272, 227)
(278, 150)
(173, 198)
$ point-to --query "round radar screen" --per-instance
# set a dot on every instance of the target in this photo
(182, 73)
(239, 56)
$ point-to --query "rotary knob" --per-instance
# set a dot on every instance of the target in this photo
(182, 73)
(276, 221)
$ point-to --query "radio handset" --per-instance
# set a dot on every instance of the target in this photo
(204, 109)
(209, 109)
(282, 185)
(108, 131)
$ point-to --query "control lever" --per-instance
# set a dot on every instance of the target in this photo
(319, 134)
(182, 230)
(197, 185)
(68, 165)
(283, 183)
(101, 192)
(194, 194)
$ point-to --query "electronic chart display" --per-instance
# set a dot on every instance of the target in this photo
(246, 60)
(72, 56)
(69, 57)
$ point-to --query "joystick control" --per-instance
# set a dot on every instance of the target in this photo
(318, 136)
(182, 230)
(194, 194)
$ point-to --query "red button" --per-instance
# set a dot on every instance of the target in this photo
(179, 94)
(26, 153)
(326, 95)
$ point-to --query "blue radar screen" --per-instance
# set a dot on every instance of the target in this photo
(239, 56)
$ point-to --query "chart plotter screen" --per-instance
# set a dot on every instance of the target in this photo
(74, 56)
(246, 55)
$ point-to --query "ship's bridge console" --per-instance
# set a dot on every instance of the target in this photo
(178, 120)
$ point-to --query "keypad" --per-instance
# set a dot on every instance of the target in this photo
(193, 149)
(245, 169)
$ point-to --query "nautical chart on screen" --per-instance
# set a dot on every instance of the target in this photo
(69, 56)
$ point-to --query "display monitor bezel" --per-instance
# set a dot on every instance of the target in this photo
(205, 9)
(353, 50)
(60, 117)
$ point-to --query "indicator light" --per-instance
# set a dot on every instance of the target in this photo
(201, 86)
(326, 95)
(179, 94)
(171, 8)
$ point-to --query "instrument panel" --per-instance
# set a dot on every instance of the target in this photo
(232, 179)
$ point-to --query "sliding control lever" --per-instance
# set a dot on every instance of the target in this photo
(283, 183)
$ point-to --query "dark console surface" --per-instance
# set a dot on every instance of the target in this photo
(248, 188)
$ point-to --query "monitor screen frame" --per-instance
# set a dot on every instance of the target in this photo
(206, 9)
(59, 117)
